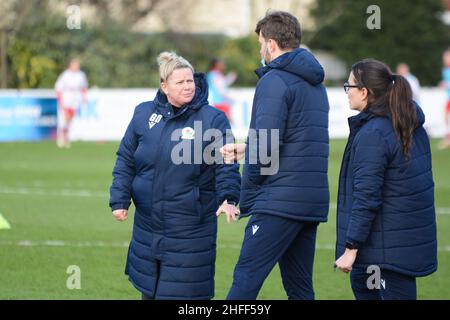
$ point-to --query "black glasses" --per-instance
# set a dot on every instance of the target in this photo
(348, 86)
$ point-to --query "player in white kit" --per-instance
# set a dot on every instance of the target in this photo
(71, 92)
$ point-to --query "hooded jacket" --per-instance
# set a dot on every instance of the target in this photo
(386, 202)
(290, 124)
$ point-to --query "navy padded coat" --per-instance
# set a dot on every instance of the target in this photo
(173, 247)
(385, 202)
(289, 97)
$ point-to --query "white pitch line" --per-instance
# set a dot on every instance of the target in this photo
(97, 194)
(125, 244)
(61, 243)
(59, 193)
(443, 211)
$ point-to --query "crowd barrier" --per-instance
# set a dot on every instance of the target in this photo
(31, 115)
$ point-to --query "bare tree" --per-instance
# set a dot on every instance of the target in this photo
(324, 21)
(176, 15)
(127, 12)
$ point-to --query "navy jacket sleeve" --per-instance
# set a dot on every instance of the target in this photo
(370, 163)
(271, 111)
(124, 170)
(228, 178)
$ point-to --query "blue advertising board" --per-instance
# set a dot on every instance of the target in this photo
(27, 118)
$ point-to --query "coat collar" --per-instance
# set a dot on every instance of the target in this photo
(200, 98)
(299, 62)
(357, 121)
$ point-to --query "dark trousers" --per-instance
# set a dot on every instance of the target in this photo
(145, 297)
(393, 286)
(269, 240)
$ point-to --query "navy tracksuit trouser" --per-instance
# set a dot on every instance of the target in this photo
(269, 240)
(393, 286)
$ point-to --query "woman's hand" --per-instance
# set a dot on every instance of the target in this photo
(230, 210)
(345, 262)
(232, 152)
(120, 214)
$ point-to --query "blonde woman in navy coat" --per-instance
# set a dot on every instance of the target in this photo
(173, 248)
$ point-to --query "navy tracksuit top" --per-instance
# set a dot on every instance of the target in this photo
(175, 224)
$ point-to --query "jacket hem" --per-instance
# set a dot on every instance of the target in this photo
(285, 215)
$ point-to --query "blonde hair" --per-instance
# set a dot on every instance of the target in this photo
(170, 61)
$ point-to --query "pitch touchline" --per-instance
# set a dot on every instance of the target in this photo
(97, 194)
(124, 244)
(61, 193)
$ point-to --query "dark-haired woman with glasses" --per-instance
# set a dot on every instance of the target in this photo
(386, 225)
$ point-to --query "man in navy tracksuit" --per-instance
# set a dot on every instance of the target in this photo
(287, 204)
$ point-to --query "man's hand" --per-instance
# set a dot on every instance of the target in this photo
(230, 210)
(120, 214)
(232, 152)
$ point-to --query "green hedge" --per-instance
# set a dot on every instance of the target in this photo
(411, 32)
(114, 57)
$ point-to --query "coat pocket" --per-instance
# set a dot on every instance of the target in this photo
(198, 204)
(141, 191)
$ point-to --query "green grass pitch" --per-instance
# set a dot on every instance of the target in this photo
(57, 204)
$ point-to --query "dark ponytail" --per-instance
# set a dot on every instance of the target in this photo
(388, 94)
(403, 111)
